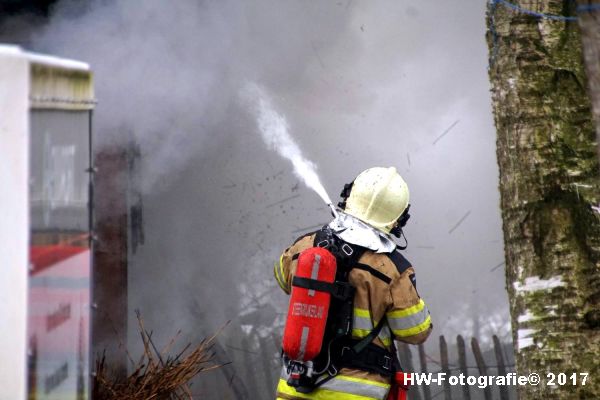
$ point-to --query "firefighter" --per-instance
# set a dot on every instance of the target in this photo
(386, 305)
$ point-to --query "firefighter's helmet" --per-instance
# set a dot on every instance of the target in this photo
(378, 196)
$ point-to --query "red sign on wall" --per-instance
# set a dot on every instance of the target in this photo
(58, 322)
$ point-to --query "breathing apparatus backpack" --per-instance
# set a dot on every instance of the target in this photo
(317, 340)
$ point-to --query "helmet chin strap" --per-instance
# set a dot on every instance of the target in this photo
(401, 223)
(405, 241)
(397, 230)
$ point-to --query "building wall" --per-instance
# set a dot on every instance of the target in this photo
(14, 221)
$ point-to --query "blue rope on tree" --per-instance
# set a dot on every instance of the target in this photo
(519, 9)
(551, 17)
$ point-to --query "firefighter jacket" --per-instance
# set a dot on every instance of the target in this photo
(407, 316)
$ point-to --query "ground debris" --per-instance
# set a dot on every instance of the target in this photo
(157, 375)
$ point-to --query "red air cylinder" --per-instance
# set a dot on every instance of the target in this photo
(307, 313)
(399, 388)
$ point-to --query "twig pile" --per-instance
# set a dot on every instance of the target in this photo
(155, 377)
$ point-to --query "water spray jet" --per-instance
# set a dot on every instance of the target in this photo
(274, 130)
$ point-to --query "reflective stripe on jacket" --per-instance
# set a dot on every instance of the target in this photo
(397, 300)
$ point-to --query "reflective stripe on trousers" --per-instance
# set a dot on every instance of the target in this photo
(341, 387)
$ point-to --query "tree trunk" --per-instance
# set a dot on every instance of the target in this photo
(589, 23)
(549, 182)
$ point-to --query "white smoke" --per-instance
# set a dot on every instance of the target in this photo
(274, 130)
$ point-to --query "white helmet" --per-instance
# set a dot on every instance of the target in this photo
(378, 196)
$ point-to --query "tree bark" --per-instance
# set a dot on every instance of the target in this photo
(589, 24)
(549, 182)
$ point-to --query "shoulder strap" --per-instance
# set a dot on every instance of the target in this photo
(377, 274)
(299, 238)
(346, 254)
(401, 263)
(322, 237)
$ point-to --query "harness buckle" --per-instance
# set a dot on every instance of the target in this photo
(347, 249)
(387, 363)
(324, 243)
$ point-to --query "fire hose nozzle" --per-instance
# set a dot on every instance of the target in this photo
(333, 210)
